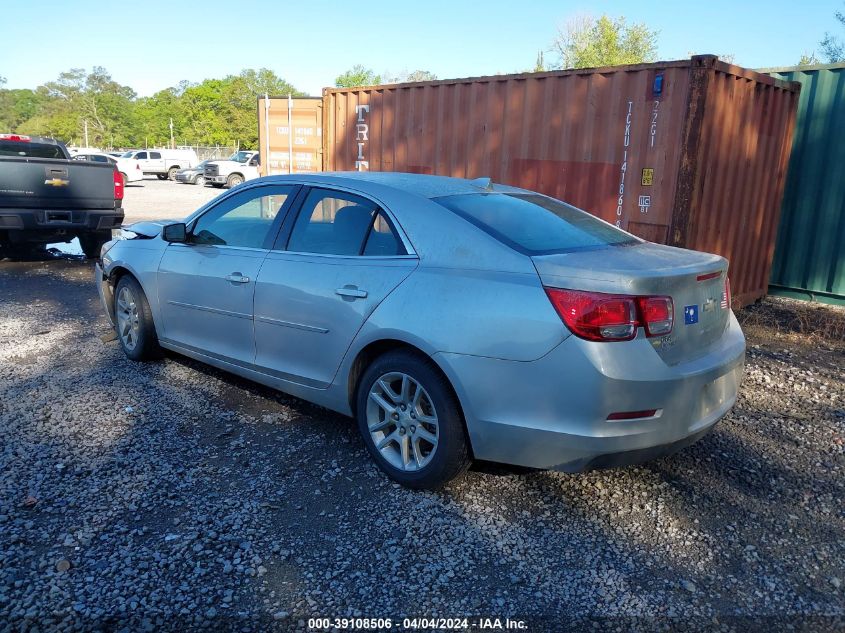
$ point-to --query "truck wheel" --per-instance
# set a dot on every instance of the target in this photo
(161, 176)
(171, 173)
(234, 180)
(135, 329)
(91, 243)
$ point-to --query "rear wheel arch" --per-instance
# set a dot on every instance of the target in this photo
(370, 352)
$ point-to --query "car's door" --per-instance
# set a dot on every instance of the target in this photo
(156, 163)
(252, 168)
(143, 159)
(206, 285)
(335, 260)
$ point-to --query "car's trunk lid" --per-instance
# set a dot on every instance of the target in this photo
(694, 280)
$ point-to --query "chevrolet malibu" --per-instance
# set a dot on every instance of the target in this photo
(453, 319)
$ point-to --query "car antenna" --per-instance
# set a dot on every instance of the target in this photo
(483, 183)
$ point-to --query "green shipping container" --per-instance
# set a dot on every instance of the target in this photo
(809, 258)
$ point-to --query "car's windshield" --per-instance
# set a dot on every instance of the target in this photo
(128, 154)
(534, 224)
(240, 157)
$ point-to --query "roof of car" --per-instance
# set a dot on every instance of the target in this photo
(419, 184)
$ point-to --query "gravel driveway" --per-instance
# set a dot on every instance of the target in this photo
(172, 496)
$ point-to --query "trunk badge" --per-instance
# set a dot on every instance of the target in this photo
(709, 305)
(690, 314)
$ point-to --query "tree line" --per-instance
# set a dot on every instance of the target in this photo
(211, 112)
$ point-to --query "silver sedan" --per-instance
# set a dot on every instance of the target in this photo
(453, 319)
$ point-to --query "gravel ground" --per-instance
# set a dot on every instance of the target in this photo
(172, 496)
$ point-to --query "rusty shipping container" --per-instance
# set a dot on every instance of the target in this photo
(281, 151)
(690, 153)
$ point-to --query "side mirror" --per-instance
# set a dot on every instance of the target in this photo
(175, 233)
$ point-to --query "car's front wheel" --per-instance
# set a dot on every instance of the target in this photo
(234, 180)
(411, 421)
(134, 321)
(199, 180)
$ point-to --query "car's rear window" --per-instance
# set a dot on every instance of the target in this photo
(35, 150)
(534, 224)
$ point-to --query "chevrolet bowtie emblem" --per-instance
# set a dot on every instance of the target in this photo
(56, 182)
(709, 305)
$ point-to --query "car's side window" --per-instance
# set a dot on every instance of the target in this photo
(99, 159)
(332, 223)
(244, 219)
(382, 239)
(155, 155)
(141, 155)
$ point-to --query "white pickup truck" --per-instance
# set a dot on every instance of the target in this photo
(239, 167)
(164, 163)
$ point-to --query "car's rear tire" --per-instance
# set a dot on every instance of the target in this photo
(92, 242)
(234, 180)
(135, 329)
(410, 420)
(171, 173)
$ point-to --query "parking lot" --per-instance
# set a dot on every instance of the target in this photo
(156, 199)
(171, 495)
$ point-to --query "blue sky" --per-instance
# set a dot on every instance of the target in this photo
(156, 44)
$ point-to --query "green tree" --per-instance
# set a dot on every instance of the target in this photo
(808, 59)
(832, 47)
(585, 42)
(358, 75)
(214, 111)
(17, 106)
(421, 75)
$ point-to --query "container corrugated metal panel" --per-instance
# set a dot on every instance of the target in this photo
(809, 259)
(301, 153)
(605, 140)
(738, 170)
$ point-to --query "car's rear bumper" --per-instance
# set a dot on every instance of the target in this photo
(552, 413)
(33, 225)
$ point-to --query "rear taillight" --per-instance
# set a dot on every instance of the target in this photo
(118, 185)
(15, 137)
(597, 316)
(657, 315)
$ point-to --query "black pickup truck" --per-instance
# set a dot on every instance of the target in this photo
(46, 197)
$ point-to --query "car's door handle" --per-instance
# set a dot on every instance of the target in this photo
(237, 278)
(351, 291)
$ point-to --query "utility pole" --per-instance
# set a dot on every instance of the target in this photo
(172, 142)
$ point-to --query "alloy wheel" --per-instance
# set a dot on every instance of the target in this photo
(128, 321)
(402, 421)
